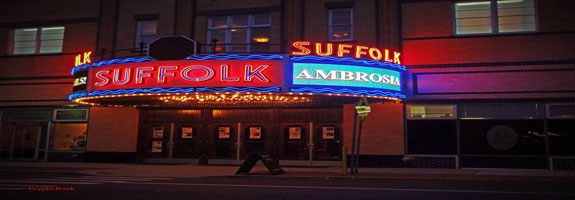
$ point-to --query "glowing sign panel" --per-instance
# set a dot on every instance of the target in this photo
(187, 73)
(82, 59)
(346, 75)
(80, 81)
(345, 50)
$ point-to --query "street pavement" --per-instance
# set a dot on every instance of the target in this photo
(25, 185)
(67, 180)
(195, 171)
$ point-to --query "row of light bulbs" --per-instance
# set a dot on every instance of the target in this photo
(238, 97)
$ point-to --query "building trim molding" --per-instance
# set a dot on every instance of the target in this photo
(489, 35)
(416, 89)
(33, 78)
(239, 11)
(50, 22)
(492, 64)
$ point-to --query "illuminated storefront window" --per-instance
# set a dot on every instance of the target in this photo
(69, 130)
(69, 137)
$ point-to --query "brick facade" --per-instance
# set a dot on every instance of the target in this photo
(528, 65)
(382, 131)
(113, 130)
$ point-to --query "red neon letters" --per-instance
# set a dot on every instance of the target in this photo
(341, 50)
(187, 73)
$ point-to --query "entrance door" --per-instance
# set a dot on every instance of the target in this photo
(25, 142)
(258, 137)
(157, 140)
(187, 140)
(312, 144)
(327, 141)
(296, 141)
(225, 143)
(172, 142)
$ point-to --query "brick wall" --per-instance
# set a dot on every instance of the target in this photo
(429, 19)
(78, 38)
(28, 11)
(317, 26)
(112, 129)
(428, 36)
(127, 25)
(205, 6)
(508, 48)
(382, 132)
(521, 65)
(43, 79)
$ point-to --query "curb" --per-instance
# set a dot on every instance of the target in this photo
(326, 178)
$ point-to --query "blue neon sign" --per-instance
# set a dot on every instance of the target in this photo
(346, 75)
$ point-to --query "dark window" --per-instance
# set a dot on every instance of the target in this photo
(502, 137)
(431, 137)
(562, 136)
(146, 32)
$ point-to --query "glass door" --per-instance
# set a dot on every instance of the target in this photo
(327, 141)
(258, 137)
(187, 140)
(224, 140)
(295, 141)
(25, 142)
(157, 140)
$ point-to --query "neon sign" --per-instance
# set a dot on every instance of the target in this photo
(82, 59)
(80, 81)
(343, 50)
(187, 73)
(346, 75)
(326, 75)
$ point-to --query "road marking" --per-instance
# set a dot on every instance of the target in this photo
(51, 182)
(355, 188)
(112, 178)
(18, 185)
(81, 180)
(118, 177)
(99, 179)
(76, 180)
(13, 188)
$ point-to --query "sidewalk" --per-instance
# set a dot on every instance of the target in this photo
(196, 171)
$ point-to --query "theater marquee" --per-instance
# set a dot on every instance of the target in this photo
(308, 74)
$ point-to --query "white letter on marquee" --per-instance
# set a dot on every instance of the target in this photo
(320, 74)
(346, 76)
(304, 74)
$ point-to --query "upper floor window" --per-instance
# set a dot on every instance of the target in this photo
(37, 40)
(145, 33)
(494, 16)
(239, 33)
(340, 24)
